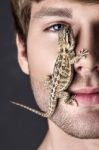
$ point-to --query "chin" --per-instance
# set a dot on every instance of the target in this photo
(83, 129)
(82, 123)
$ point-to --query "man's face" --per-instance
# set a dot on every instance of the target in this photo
(47, 18)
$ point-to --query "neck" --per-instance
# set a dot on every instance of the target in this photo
(57, 139)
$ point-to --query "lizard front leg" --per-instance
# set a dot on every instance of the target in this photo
(82, 54)
(65, 96)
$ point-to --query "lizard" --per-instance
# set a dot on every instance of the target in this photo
(62, 75)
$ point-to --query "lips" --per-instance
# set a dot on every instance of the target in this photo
(87, 96)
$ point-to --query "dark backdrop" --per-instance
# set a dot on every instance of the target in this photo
(19, 129)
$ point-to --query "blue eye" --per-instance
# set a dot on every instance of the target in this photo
(56, 27)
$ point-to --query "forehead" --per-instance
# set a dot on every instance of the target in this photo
(49, 7)
(86, 1)
(47, 3)
(80, 1)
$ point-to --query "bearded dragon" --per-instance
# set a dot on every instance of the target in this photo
(62, 75)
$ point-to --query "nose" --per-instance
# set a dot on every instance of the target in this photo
(86, 66)
(90, 64)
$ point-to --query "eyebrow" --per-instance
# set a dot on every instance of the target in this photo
(58, 12)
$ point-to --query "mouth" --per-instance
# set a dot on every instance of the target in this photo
(87, 96)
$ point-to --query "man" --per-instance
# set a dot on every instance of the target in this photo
(37, 25)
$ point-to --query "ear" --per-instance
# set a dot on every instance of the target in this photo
(22, 55)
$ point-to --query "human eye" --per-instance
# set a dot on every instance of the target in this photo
(55, 27)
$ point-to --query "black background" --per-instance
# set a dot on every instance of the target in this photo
(19, 128)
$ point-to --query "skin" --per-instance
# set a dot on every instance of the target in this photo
(70, 125)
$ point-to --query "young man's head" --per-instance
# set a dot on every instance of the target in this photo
(37, 24)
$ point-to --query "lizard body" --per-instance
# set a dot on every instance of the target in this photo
(62, 74)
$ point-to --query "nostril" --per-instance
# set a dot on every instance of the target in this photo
(79, 68)
(96, 68)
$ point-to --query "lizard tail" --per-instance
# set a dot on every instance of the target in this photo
(46, 114)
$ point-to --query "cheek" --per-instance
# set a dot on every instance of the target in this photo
(42, 53)
(41, 93)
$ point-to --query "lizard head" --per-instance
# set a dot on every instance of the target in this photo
(69, 39)
(66, 41)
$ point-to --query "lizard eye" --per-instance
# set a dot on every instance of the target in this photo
(68, 29)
